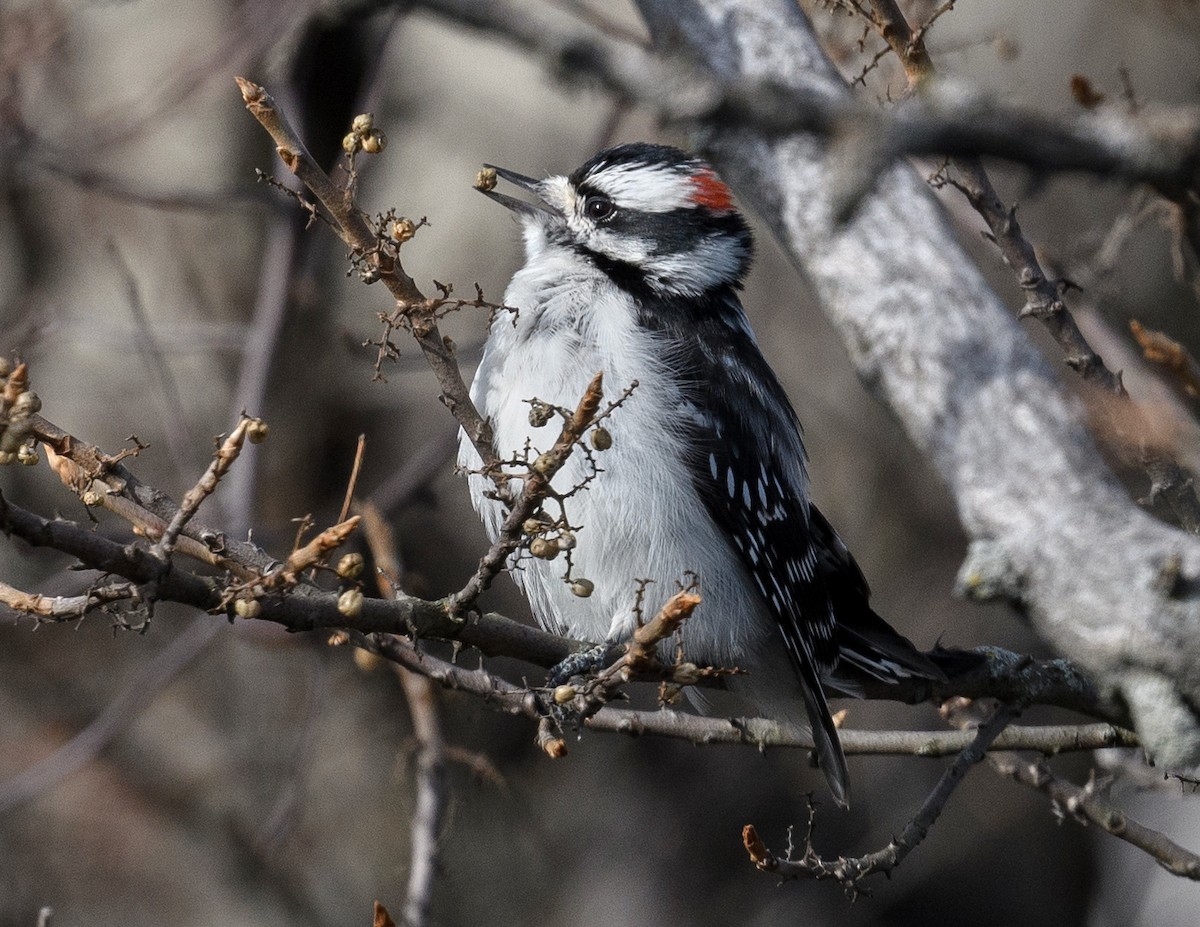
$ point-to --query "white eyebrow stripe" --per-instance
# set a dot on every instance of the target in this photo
(644, 187)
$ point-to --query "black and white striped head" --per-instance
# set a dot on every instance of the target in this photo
(654, 218)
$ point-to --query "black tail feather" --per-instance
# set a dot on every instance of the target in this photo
(830, 756)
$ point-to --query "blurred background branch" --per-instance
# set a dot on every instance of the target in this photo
(257, 762)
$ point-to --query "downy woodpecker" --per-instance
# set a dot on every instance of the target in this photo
(633, 267)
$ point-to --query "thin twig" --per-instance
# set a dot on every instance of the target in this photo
(1084, 804)
(356, 231)
(222, 460)
(1081, 803)
(174, 419)
(424, 705)
(1000, 673)
(353, 481)
(536, 486)
(1157, 148)
(851, 871)
(1043, 296)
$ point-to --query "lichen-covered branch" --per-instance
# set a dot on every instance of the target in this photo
(1061, 535)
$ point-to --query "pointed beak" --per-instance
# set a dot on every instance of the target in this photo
(538, 210)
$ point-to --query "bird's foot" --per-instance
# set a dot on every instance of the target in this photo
(579, 663)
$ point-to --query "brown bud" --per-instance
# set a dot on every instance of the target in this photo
(350, 566)
(375, 142)
(544, 463)
(403, 229)
(351, 143)
(363, 123)
(247, 608)
(564, 694)
(601, 438)
(540, 413)
(257, 430)
(486, 179)
(544, 548)
(28, 403)
(350, 603)
(582, 587)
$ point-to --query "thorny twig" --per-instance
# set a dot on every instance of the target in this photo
(228, 451)
(1082, 804)
(1043, 296)
(536, 487)
(181, 586)
(435, 308)
(1000, 673)
(850, 871)
(424, 705)
(640, 660)
(380, 253)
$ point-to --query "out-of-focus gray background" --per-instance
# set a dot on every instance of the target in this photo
(258, 778)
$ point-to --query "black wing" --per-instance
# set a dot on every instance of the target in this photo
(748, 466)
(867, 645)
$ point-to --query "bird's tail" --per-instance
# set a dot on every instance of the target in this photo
(871, 649)
(830, 757)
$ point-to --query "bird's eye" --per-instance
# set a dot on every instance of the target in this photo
(599, 208)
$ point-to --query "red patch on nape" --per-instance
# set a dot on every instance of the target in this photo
(709, 190)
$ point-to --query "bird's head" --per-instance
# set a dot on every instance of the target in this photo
(653, 217)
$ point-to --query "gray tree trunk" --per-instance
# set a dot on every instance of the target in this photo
(1050, 525)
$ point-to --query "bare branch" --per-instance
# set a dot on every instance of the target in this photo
(535, 489)
(1044, 297)
(1083, 804)
(1052, 529)
(424, 706)
(226, 454)
(851, 871)
(369, 244)
(1159, 148)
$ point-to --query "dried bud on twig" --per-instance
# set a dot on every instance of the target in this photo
(544, 548)
(540, 413)
(375, 142)
(350, 603)
(403, 230)
(247, 608)
(350, 566)
(256, 431)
